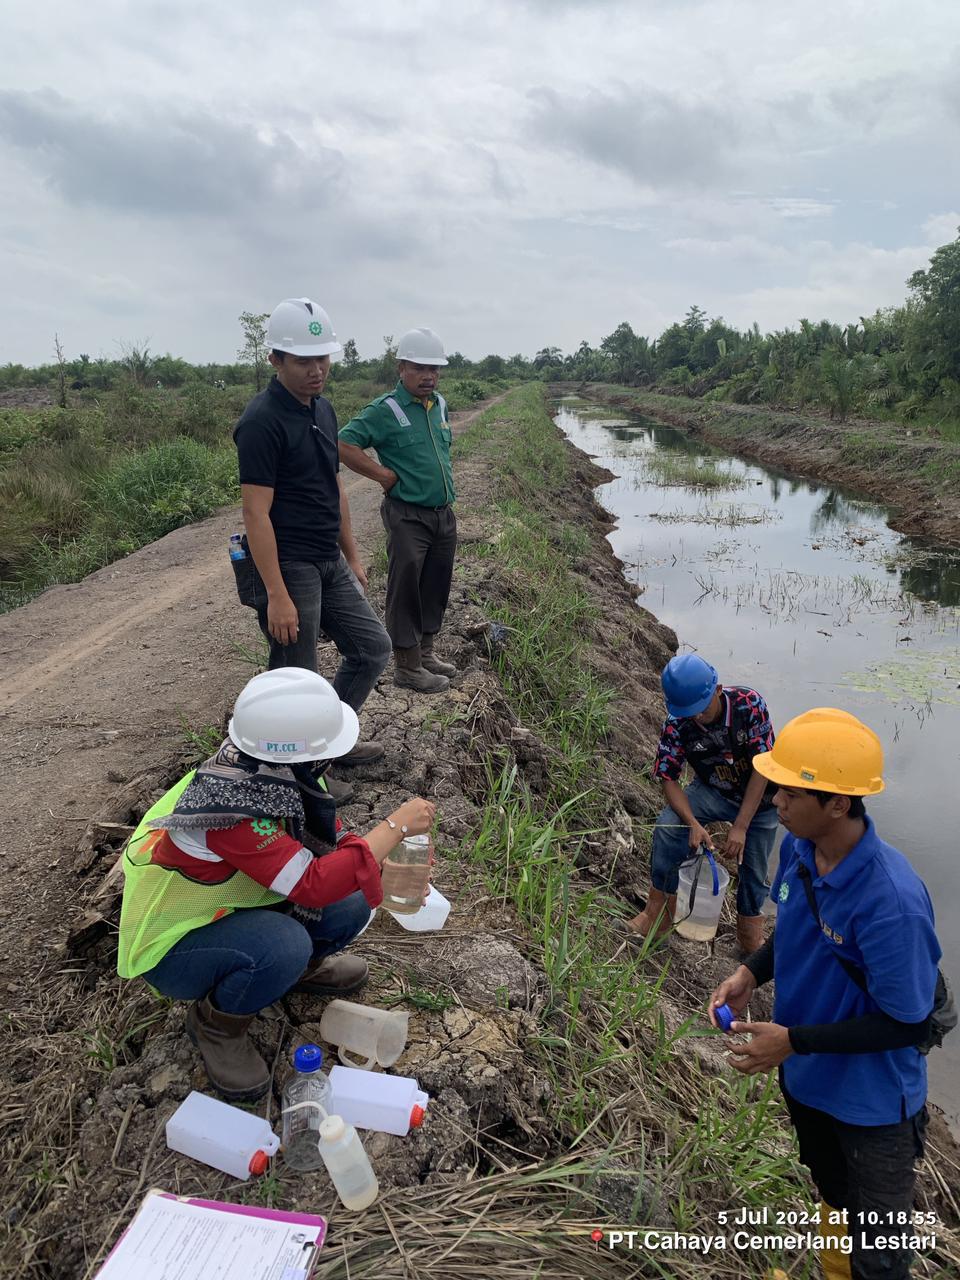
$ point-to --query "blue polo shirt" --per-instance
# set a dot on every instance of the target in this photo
(875, 912)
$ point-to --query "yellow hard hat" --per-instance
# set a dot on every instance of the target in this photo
(825, 750)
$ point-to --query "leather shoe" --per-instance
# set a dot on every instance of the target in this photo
(340, 791)
(362, 753)
(335, 975)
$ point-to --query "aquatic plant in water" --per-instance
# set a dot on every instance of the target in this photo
(918, 678)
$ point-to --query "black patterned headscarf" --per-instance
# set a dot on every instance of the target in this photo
(232, 786)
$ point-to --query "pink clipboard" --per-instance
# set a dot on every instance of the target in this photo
(315, 1224)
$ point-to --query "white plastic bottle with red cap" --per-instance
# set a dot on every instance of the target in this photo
(221, 1136)
(370, 1100)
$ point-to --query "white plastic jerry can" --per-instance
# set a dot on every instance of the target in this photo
(371, 1100)
(221, 1136)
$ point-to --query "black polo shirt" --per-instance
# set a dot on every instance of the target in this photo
(291, 448)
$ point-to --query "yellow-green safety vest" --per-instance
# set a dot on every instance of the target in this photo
(160, 905)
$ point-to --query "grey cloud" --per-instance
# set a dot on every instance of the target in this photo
(163, 162)
(654, 138)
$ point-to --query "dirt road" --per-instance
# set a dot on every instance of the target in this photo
(98, 679)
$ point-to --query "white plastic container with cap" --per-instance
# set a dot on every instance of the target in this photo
(369, 1100)
(221, 1136)
(346, 1162)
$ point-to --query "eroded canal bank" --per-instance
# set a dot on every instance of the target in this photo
(913, 471)
(575, 1086)
(804, 592)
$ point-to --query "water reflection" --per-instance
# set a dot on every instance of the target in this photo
(820, 604)
(936, 580)
(834, 508)
(930, 576)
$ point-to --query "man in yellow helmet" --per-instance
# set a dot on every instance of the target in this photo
(854, 955)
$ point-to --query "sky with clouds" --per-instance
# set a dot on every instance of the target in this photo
(512, 173)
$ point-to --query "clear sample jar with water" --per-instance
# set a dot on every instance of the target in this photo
(301, 1124)
(405, 875)
(346, 1162)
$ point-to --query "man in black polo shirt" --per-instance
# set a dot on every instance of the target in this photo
(306, 573)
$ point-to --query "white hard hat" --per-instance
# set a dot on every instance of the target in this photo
(291, 714)
(421, 346)
(302, 328)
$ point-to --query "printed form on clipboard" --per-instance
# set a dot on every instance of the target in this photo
(174, 1239)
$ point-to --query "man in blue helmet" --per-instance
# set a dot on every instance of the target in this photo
(717, 732)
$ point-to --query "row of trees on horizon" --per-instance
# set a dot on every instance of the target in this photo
(903, 361)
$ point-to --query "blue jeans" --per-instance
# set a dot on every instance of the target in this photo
(252, 957)
(671, 844)
(328, 598)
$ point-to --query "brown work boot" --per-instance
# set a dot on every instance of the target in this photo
(410, 674)
(657, 916)
(362, 753)
(335, 975)
(234, 1067)
(340, 791)
(749, 935)
(430, 661)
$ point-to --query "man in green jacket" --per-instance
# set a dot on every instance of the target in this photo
(410, 431)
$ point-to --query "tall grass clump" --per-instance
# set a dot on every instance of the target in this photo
(146, 495)
(629, 1086)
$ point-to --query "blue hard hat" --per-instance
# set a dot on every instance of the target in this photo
(688, 685)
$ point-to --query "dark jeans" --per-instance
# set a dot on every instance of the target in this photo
(328, 598)
(671, 845)
(252, 957)
(862, 1168)
(421, 545)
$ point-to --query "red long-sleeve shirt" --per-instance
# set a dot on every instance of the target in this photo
(262, 850)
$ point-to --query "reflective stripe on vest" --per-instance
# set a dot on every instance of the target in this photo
(398, 413)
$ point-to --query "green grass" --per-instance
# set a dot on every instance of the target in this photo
(689, 471)
(82, 486)
(623, 1080)
(203, 741)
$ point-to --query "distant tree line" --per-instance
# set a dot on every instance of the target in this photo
(902, 361)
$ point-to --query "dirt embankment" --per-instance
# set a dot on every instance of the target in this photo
(99, 675)
(913, 472)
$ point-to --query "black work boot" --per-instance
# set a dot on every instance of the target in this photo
(234, 1067)
(430, 662)
(409, 672)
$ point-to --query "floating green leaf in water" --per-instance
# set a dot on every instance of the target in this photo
(919, 678)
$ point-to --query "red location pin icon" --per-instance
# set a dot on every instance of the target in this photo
(596, 1236)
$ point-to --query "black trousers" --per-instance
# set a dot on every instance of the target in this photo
(869, 1171)
(421, 544)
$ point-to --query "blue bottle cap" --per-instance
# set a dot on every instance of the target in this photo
(725, 1016)
(308, 1058)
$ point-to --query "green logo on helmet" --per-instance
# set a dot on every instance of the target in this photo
(264, 826)
(315, 327)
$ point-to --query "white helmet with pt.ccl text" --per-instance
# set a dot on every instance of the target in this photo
(302, 328)
(421, 346)
(289, 715)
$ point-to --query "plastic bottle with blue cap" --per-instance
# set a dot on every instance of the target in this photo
(301, 1123)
